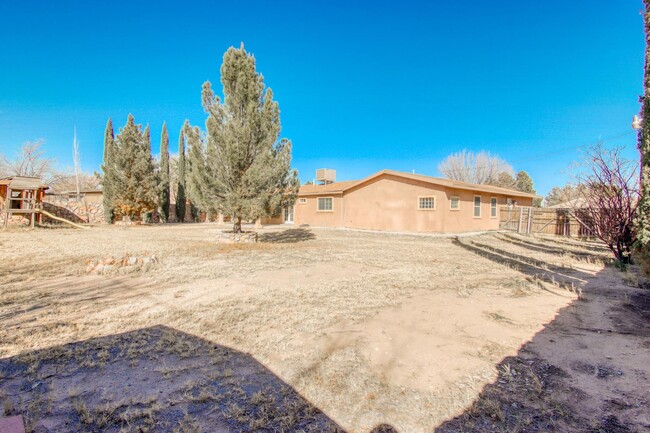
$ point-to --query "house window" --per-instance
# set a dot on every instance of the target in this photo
(302, 200)
(454, 202)
(324, 203)
(477, 206)
(493, 207)
(427, 203)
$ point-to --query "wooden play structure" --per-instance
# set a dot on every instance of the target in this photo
(22, 195)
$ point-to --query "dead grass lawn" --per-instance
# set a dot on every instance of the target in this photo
(368, 328)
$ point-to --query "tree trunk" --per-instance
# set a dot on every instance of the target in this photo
(236, 228)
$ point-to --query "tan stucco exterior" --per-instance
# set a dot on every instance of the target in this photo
(390, 201)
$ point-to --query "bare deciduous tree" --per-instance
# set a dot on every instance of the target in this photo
(610, 195)
(30, 161)
(478, 168)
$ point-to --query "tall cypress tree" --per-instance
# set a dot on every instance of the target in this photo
(107, 169)
(135, 190)
(643, 143)
(181, 197)
(248, 167)
(164, 174)
(146, 136)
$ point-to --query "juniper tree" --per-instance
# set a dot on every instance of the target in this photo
(163, 199)
(181, 197)
(247, 166)
(135, 186)
(108, 172)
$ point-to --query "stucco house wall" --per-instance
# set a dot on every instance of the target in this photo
(308, 213)
(389, 201)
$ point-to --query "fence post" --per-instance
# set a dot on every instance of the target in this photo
(521, 219)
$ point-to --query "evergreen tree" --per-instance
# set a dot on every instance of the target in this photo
(147, 139)
(524, 183)
(195, 172)
(107, 176)
(135, 189)
(643, 143)
(163, 199)
(247, 168)
(504, 180)
(181, 197)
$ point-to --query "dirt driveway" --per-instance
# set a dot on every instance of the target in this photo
(319, 330)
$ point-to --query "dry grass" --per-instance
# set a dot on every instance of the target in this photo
(300, 309)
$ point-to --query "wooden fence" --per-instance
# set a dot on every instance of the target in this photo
(559, 222)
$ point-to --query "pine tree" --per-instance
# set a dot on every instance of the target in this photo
(181, 197)
(163, 199)
(247, 167)
(107, 177)
(504, 180)
(524, 183)
(135, 189)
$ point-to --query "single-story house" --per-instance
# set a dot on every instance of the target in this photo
(404, 202)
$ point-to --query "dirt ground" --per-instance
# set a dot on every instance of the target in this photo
(319, 330)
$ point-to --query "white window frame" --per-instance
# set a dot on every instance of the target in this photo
(480, 211)
(318, 202)
(451, 199)
(432, 197)
(495, 208)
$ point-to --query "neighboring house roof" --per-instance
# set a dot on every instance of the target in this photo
(340, 187)
(576, 203)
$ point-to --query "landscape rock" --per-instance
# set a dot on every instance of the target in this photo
(123, 265)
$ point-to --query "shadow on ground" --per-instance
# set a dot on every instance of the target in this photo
(290, 236)
(571, 376)
(152, 379)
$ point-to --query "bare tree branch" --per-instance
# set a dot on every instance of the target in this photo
(610, 195)
(478, 168)
(30, 161)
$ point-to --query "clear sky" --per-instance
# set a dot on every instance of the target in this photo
(362, 86)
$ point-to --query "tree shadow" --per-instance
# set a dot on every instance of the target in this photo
(531, 245)
(289, 236)
(152, 379)
(533, 267)
(569, 377)
(384, 428)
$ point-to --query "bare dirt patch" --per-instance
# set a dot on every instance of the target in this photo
(318, 330)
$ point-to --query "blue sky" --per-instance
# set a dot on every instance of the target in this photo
(362, 86)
